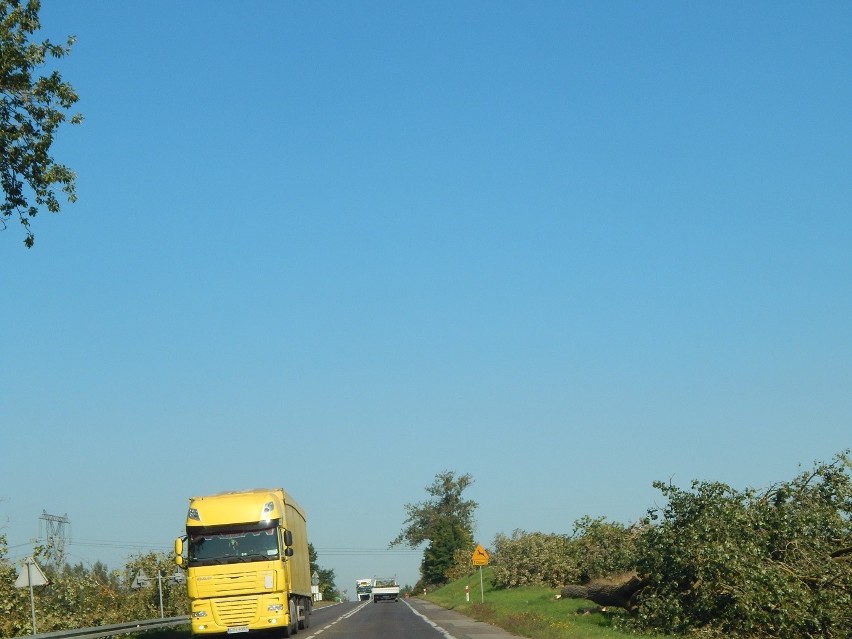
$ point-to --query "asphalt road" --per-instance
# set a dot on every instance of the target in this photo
(405, 619)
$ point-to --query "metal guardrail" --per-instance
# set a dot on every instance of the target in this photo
(114, 629)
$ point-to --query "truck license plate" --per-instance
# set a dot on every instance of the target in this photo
(235, 629)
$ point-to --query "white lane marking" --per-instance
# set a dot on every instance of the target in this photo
(429, 621)
(340, 618)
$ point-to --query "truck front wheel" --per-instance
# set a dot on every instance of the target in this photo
(293, 627)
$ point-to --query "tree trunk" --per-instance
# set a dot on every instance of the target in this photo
(618, 593)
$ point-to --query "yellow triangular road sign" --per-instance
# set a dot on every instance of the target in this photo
(479, 556)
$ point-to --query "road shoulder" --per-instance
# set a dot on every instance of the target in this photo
(455, 625)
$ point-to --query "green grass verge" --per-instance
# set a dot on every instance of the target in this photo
(530, 611)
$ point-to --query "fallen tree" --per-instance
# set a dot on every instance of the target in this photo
(617, 591)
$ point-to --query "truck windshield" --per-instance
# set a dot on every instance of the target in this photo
(232, 546)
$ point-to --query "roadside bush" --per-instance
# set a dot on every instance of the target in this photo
(78, 597)
(603, 548)
(82, 597)
(751, 564)
(461, 566)
(533, 559)
(143, 603)
(14, 602)
(597, 548)
(714, 561)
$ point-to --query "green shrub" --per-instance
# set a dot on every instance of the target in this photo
(596, 549)
(603, 548)
(533, 559)
(751, 564)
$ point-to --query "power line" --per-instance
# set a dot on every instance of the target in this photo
(166, 547)
(365, 551)
(140, 545)
(103, 543)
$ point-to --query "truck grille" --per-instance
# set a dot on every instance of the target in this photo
(235, 583)
(235, 611)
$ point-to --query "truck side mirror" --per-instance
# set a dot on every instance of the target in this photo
(179, 551)
(288, 552)
(288, 539)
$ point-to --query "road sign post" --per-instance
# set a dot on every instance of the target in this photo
(33, 576)
(315, 593)
(480, 558)
(141, 579)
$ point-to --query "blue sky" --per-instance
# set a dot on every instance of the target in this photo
(570, 248)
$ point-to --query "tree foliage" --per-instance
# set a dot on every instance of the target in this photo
(32, 108)
(144, 602)
(771, 563)
(326, 576)
(533, 558)
(14, 602)
(445, 521)
(449, 540)
(81, 597)
(603, 548)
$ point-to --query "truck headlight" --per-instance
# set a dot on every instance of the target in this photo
(275, 607)
(199, 614)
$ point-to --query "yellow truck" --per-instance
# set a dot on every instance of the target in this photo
(247, 564)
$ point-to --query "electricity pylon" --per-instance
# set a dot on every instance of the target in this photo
(55, 529)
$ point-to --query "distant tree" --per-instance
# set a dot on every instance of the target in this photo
(32, 108)
(327, 587)
(445, 521)
(448, 540)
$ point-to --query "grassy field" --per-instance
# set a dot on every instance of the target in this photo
(529, 611)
